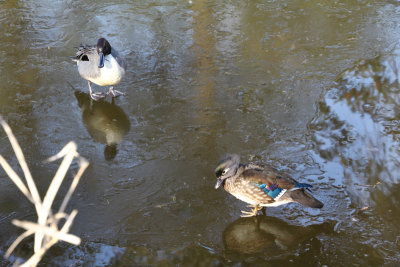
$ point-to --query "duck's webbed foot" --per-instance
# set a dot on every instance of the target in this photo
(114, 93)
(95, 96)
(254, 212)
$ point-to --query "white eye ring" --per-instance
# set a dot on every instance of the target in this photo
(225, 171)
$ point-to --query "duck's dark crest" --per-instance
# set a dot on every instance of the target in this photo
(103, 46)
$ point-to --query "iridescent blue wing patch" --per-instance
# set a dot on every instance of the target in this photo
(273, 190)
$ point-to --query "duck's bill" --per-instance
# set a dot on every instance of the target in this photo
(101, 61)
(219, 183)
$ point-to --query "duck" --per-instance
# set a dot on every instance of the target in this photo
(261, 186)
(100, 64)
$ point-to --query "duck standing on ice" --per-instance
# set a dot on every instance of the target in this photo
(102, 65)
(261, 186)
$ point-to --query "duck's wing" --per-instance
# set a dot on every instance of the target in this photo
(267, 183)
(281, 179)
(84, 51)
(118, 58)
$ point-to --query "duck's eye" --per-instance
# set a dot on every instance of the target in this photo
(225, 171)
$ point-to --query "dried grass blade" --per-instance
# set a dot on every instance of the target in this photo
(22, 163)
(64, 151)
(17, 241)
(59, 176)
(70, 238)
(75, 181)
(15, 178)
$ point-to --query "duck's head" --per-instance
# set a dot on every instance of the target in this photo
(104, 49)
(110, 151)
(227, 167)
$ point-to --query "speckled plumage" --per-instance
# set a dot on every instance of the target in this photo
(261, 185)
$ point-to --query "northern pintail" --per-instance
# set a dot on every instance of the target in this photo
(102, 65)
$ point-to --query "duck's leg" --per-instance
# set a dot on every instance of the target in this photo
(114, 93)
(264, 210)
(254, 212)
(95, 96)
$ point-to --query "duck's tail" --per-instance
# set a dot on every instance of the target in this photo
(305, 199)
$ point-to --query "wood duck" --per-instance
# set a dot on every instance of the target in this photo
(102, 65)
(261, 186)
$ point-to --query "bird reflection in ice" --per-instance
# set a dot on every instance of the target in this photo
(106, 122)
(257, 234)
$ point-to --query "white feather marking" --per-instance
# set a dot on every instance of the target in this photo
(280, 194)
(295, 188)
(110, 74)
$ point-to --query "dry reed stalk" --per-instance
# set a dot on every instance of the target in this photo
(46, 229)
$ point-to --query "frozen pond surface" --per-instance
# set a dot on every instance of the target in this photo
(311, 87)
